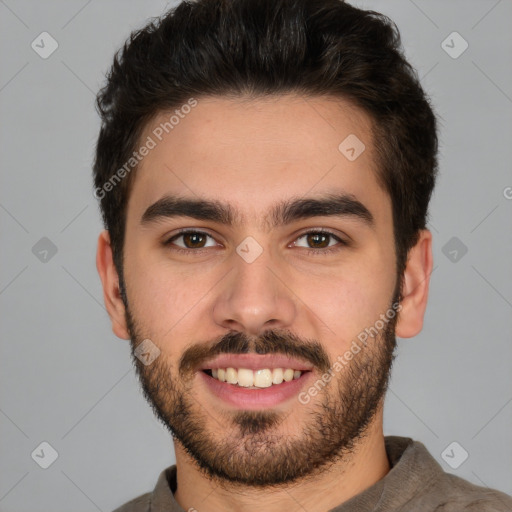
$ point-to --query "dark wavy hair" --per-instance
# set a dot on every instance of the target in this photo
(271, 47)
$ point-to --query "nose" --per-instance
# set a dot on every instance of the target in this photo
(255, 297)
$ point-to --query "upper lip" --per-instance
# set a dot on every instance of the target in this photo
(255, 362)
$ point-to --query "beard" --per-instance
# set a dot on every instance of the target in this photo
(255, 447)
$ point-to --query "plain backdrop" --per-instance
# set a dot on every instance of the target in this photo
(68, 381)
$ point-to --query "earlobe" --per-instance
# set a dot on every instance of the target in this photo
(110, 282)
(415, 287)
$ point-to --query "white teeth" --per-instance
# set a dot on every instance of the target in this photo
(277, 376)
(288, 375)
(231, 376)
(263, 378)
(245, 377)
(248, 378)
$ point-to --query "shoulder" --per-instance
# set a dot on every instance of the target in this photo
(418, 483)
(161, 498)
(138, 504)
(450, 493)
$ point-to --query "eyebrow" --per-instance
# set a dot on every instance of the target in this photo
(281, 214)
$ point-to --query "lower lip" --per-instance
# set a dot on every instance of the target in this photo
(255, 398)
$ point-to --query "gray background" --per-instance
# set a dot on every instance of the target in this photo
(67, 380)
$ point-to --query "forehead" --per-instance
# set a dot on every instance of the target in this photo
(253, 153)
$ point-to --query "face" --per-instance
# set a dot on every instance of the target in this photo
(286, 263)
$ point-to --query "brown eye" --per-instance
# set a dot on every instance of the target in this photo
(193, 240)
(319, 240)
(190, 240)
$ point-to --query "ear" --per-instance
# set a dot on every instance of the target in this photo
(110, 281)
(415, 287)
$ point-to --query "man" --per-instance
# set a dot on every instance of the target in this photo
(264, 171)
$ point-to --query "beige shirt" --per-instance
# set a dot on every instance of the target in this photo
(415, 483)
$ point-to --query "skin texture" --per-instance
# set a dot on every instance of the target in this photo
(251, 155)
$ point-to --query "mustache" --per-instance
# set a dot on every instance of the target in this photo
(270, 342)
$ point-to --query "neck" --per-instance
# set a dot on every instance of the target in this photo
(344, 479)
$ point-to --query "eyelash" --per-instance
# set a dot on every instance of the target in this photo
(315, 252)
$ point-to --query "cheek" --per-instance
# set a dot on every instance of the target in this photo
(351, 299)
(158, 296)
(162, 299)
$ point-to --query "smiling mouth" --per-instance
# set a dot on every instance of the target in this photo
(255, 379)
